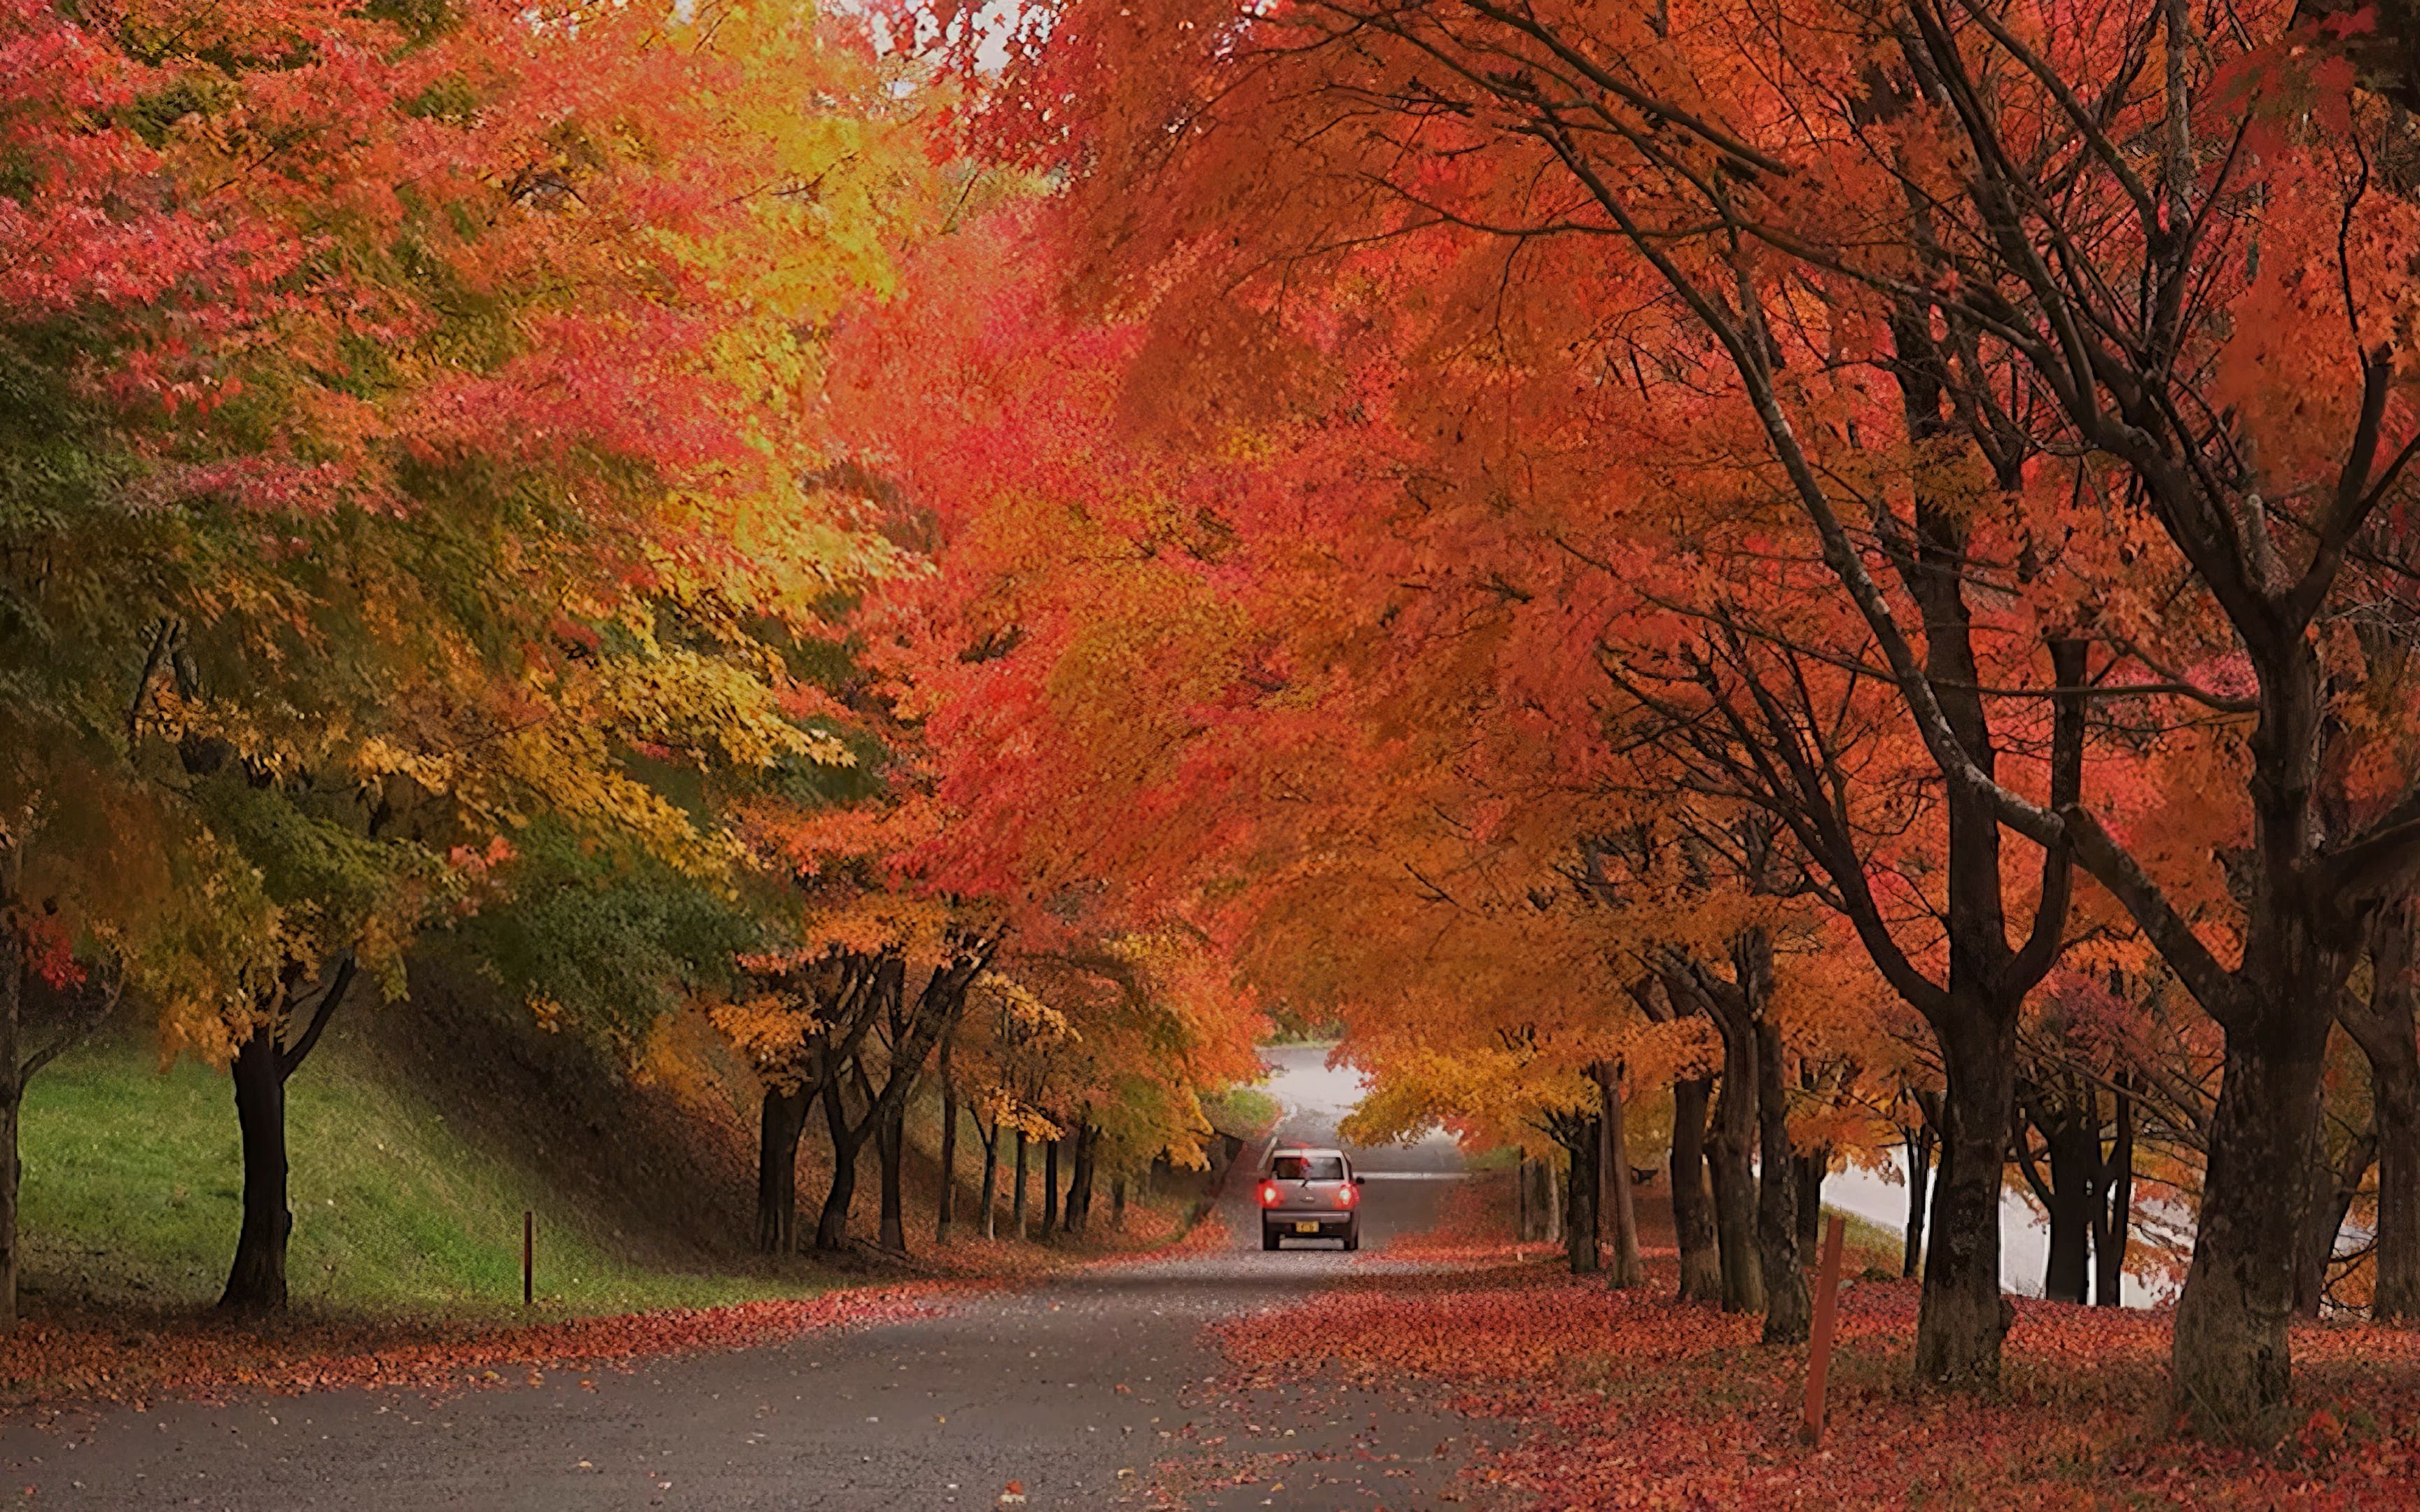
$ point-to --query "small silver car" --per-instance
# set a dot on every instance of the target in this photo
(1309, 1194)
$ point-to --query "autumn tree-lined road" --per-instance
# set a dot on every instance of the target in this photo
(1081, 1390)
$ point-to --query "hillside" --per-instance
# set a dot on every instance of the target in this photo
(421, 1131)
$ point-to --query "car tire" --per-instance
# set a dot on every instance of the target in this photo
(1353, 1240)
(1268, 1239)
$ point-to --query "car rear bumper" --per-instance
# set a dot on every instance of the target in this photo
(1323, 1225)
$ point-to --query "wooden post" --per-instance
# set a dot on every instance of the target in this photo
(529, 1254)
(1818, 1349)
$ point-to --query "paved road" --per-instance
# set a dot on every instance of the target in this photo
(1092, 1392)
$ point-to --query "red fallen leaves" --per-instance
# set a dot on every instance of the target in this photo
(1634, 1400)
(104, 1358)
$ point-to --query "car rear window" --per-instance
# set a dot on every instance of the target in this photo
(1308, 1168)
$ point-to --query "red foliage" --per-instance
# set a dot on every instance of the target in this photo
(106, 1357)
(1634, 1401)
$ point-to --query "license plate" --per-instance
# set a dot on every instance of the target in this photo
(1306, 1229)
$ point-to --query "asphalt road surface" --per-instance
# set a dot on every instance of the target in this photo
(1094, 1391)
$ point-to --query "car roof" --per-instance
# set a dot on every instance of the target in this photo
(1305, 1150)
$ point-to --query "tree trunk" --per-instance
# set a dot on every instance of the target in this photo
(1118, 1204)
(1521, 1217)
(1051, 1185)
(890, 1152)
(945, 1202)
(780, 1120)
(1627, 1269)
(1554, 1193)
(1016, 1196)
(2230, 1358)
(1789, 1306)
(1580, 1236)
(2395, 1096)
(2333, 1189)
(2113, 1214)
(1811, 1168)
(2383, 1027)
(1692, 1205)
(990, 1185)
(2074, 1197)
(1963, 1317)
(256, 1281)
(831, 1225)
(1080, 1182)
(1919, 1171)
(1730, 1159)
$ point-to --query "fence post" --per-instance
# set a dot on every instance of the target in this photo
(1818, 1351)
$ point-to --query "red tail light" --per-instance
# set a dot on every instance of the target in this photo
(1268, 1193)
(1347, 1194)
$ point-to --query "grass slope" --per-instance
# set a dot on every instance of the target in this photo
(132, 1181)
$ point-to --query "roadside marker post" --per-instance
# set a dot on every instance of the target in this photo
(529, 1253)
(1819, 1350)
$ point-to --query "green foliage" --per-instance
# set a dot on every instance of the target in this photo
(612, 939)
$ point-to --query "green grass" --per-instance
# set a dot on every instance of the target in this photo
(1242, 1110)
(132, 1181)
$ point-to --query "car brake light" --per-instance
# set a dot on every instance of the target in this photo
(1347, 1194)
(1268, 1193)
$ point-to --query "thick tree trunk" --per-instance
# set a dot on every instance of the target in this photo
(1693, 1204)
(1016, 1196)
(991, 1186)
(890, 1150)
(1789, 1306)
(1731, 1163)
(1963, 1317)
(781, 1119)
(1051, 1185)
(1919, 1172)
(2113, 1224)
(945, 1202)
(256, 1281)
(2074, 1197)
(2230, 1358)
(1627, 1269)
